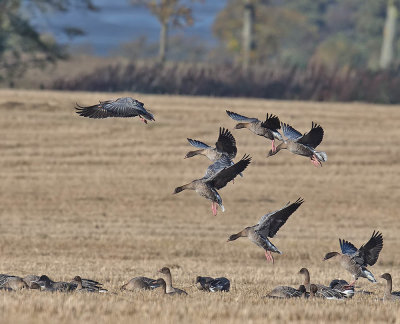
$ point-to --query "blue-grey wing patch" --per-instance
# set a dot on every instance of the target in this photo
(347, 247)
(241, 118)
(290, 132)
(198, 144)
(222, 163)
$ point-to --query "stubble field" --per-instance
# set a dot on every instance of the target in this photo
(94, 198)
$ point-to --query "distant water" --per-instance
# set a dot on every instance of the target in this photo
(118, 22)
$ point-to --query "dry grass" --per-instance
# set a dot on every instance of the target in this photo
(94, 198)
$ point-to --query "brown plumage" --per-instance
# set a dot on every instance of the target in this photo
(169, 289)
(225, 146)
(389, 294)
(304, 145)
(207, 187)
(286, 292)
(140, 283)
(356, 260)
(268, 226)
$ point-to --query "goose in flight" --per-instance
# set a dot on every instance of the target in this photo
(121, 107)
(356, 260)
(207, 187)
(268, 226)
(268, 128)
(303, 144)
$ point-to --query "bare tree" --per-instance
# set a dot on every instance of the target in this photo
(388, 35)
(167, 12)
(247, 36)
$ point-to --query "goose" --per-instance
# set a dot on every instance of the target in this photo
(140, 283)
(49, 285)
(161, 283)
(323, 291)
(268, 226)
(12, 283)
(303, 144)
(169, 289)
(342, 286)
(77, 285)
(389, 294)
(207, 187)
(213, 285)
(225, 146)
(356, 260)
(287, 292)
(268, 128)
(121, 107)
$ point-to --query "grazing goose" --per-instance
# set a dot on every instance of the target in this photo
(323, 291)
(225, 146)
(389, 294)
(169, 289)
(207, 187)
(121, 107)
(213, 285)
(268, 226)
(268, 128)
(287, 292)
(303, 144)
(140, 283)
(356, 260)
(77, 285)
(49, 285)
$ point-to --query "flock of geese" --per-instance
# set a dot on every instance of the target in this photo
(222, 171)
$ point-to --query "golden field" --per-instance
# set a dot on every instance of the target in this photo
(94, 198)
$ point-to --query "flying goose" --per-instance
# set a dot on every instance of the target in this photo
(213, 285)
(389, 294)
(268, 128)
(356, 260)
(121, 107)
(225, 146)
(268, 226)
(304, 145)
(169, 289)
(140, 283)
(207, 187)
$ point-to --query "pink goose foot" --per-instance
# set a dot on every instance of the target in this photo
(143, 120)
(214, 208)
(315, 161)
(273, 146)
(269, 257)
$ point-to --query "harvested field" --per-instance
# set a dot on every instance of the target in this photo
(94, 198)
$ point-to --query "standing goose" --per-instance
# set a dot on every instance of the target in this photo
(389, 294)
(225, 146)
(213, 285)
(356, 260)
(303, 144)
(268, 128)
(121, 107)
(207, 187)
(323, 291)
(268, 226)
(140, 283)
(169, 289)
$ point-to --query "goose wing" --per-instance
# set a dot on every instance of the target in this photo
(198, 144)
(369, 252)
(241, 118)
(270, 223)
(271, 122)
(226, 143)
(221, 179)
(347, 247)
(314, 137)
(222, 163)
(290, 132)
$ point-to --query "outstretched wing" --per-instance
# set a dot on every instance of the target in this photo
(241, 118)
(272, 122)
(198, 144)
(223, 177)
(222, 163)
(290, 132)
(226, 143)
(347, 247)
(270, 223)
(314, 137)
(369, 252)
